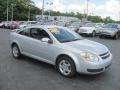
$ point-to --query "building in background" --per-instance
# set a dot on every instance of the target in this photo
(56, 18)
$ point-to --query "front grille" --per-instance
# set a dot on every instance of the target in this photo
(105, 33)
(105, 55)
(83, 30)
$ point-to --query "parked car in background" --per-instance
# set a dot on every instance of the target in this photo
(26, 23)
(61, 47)
(15, 24)
(111, 30)
(6, 24)
(48, 23)
(2, 24)
(62, 23)
(75, 26)
(99, 24)
(9, 24)
(89, 29)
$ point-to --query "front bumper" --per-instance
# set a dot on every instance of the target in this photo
(95, 68)
(107, 34)
(88, 32)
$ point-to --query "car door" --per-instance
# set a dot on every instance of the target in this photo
(39, 48)
(23, 39)
(33, 46)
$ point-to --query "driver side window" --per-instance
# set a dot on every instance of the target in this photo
(38, 33)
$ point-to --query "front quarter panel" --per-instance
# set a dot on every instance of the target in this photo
(14, 39)
(73, 55)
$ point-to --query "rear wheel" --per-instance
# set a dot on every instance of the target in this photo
(66, 66)
(93, 34)
(15, 51)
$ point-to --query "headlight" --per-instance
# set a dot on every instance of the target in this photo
(89, 57)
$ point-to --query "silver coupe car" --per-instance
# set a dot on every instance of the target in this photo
(61, 47)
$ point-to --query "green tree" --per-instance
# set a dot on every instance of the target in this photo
(108, 20)
(21, 9)
(95, 19)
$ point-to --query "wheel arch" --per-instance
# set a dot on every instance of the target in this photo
(15, 42)
(69, 56)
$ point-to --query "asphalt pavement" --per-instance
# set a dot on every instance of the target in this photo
(30, 74)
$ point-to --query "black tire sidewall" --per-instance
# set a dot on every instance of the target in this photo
(116, 36)
(93, 34)
(19, 54)
(100, 36)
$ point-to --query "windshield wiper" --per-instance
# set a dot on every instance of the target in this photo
(66, 41)
(71, 40)
(76, 39)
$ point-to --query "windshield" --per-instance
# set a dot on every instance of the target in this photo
(75, 24)
(110, 26)
(23, 23)
(64, 35)
(89, 25)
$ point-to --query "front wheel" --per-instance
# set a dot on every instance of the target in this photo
(116, 36)
(66, 66)
(15, 51)
(100, 36)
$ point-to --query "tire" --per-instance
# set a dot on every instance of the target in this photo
(3, 26)
(24, 27)
(116, 36)
(100, 36)
(93, 34)
(16, 51)
(69, 70)
(77, 30)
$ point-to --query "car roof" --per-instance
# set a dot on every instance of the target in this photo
(45, 26)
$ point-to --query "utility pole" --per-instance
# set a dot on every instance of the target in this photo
(119, 11)
(7, 10)
(29, 14)
(50, 4)
(119, 16)
(12, 12)
(87, 13)
(42, 9)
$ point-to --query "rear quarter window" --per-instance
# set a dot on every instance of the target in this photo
(25, 32)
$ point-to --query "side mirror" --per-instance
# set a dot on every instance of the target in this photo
(47, 40)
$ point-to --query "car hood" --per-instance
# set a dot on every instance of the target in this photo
(108, 30)
(23, 25)
(72, 27)
(87, 28)
(87, 45)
